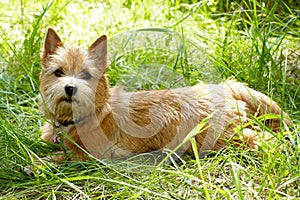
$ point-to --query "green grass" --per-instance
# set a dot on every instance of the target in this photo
(252, 42)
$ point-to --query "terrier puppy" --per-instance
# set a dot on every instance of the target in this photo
(108, 122)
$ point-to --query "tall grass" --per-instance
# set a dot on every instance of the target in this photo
(255, 42)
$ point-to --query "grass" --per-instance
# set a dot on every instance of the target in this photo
(251, 41)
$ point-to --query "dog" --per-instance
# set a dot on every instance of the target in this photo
(103, 122)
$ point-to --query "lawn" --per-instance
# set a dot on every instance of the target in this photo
(153, 45)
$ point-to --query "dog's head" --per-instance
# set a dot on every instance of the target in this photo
(71, 77)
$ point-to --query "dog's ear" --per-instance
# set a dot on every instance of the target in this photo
(52, 42)
(98, 50)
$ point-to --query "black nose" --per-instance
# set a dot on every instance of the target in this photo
(70, 90)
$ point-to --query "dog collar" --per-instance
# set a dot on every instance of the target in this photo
(57, 129)
(65, 123)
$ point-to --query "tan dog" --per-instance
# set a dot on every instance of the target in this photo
(109, 123)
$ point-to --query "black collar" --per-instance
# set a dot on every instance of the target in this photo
(57, 132)
(58, 125)
(64, 124)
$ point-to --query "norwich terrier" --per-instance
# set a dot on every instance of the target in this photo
(105, 122)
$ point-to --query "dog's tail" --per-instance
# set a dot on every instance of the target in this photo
(258, 104)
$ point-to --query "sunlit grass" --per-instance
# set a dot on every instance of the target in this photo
(247, 41)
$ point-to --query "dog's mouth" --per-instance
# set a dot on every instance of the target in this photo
(68, 100)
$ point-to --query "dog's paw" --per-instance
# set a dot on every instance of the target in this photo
(251, 138)
(36, 168)
(29, 170)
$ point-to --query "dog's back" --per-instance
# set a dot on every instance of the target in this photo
(151, 120)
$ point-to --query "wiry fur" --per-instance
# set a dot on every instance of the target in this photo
(113, 123)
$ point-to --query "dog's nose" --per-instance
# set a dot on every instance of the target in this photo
(70, 90)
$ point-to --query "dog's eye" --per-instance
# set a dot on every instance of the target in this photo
(86, 76)
(58, 73)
